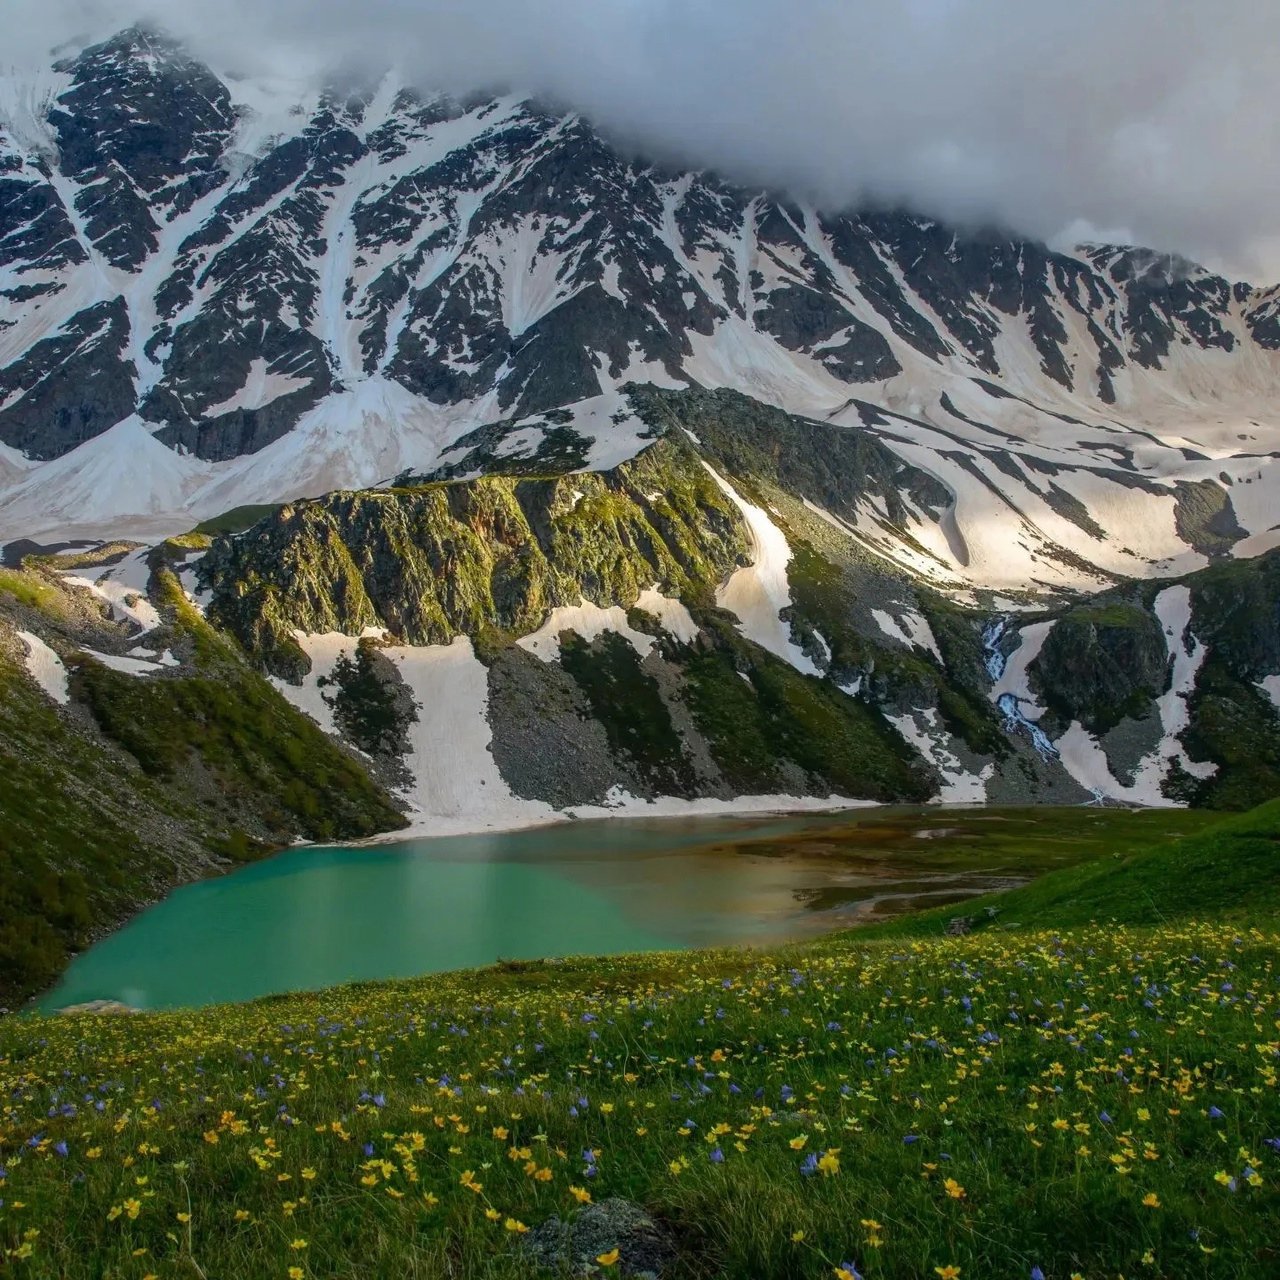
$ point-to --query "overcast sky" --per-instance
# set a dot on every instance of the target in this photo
(1151, 121)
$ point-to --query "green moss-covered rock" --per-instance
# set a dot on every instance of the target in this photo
(1101, 664)
(1235, 610)
(439, 560)
(1235, 613)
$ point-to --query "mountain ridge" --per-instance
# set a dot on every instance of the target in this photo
(210, 305)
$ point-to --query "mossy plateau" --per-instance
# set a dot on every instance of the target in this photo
(1226, 870)
(495, 554)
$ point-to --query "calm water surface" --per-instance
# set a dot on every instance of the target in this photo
(314, 917)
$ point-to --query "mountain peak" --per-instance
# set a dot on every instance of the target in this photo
(228, 263)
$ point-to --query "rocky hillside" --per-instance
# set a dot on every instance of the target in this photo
(649, 629)
(710, 624)
(139, 751)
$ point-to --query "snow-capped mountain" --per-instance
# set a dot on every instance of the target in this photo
(216, 292)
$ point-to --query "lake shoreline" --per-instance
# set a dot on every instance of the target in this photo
(311, 917)
(633, 809)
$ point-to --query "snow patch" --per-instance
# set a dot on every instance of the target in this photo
(622, 804)
(456, 779)
(45, 668)
(675, 618)
(118, 479)
(133, 666)
(324, 648)
(124, 587)
(1086, 762)
(588, 621)
(163, 659)
(923, 731)
(910, 627)
(759, 593)
(1173, 609)
(260, 388)
(1270, 685)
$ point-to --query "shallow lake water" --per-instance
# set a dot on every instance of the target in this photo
(314, 917)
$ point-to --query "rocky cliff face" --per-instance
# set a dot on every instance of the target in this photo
(717, 617)
(498, 554)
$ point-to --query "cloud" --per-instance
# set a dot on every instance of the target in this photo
(1049, 116)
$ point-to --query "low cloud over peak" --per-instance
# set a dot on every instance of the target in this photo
(1144, 120)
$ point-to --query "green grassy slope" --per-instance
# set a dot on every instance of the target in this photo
(1085, 1100)
(147, 783)
(1229, 871)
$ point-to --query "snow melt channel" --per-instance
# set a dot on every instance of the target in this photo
(1011, 691)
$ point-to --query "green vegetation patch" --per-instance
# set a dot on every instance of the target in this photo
(764, 721)
(263, 754)
(28, 588)
(1229, 870)
(225, 769)
(366, 707)
(823, 596)
(1235, 612)
(69, 854)
(627, 702)
(237, 520)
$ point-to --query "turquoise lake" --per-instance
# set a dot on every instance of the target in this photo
(315, 917)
